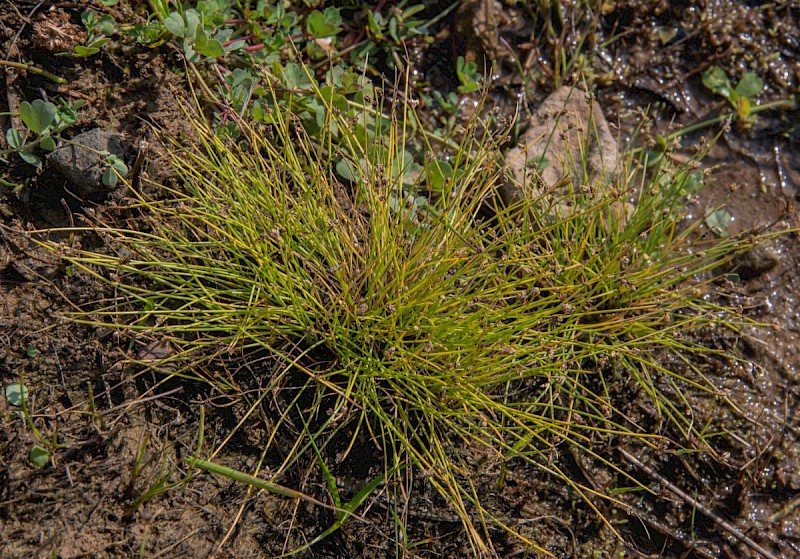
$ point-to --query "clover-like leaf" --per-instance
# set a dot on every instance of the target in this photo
(718, 221)
(347, 170)
(207, 46)
(750, 85)
(39, 456)
(294, 77)
(89, 19)
(107, 25)
(693, 183)
(37, 116)
(174, 24)
(468, 76)
(192, 23)
(321, 25)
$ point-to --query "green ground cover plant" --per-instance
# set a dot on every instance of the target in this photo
(431, 329)
(228, 39)
(231, 39)
(43, 123)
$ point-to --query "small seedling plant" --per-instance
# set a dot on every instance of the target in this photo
(44, 122)
(18, 396)
(99, 31)
(742, 100)
(740, 97)
(115, 168)
(468, 76)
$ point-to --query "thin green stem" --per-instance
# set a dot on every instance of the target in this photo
(781, 104)
(33, 69)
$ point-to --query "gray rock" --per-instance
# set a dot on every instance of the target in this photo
(84, 167)
(756, 261)
(568, 146)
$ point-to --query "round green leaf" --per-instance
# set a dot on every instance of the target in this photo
(89, 19)
(31, 351)
(211, 48)
(750, 85)
(109, 177)
(295, 77)
(120, 167)
(717, 81)
(48, 143)
(106, 25)
(437, 174)
(718, 221)
(39, 456)
(193, 27)
(347, 170)
(16, 393)
(652, 157)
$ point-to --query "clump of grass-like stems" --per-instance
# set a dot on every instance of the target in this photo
(471, 326)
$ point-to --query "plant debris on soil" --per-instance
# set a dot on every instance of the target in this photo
(94, 449)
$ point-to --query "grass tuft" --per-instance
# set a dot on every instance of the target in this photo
(434, 336)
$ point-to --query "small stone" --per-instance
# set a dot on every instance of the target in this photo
(756, 261)
(85, 167)
(565, 132)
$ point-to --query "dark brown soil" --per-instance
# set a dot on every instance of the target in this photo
(122, 435)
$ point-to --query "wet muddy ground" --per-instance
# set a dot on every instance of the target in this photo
(122, 434)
